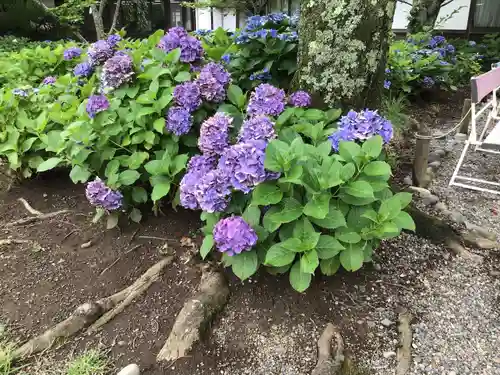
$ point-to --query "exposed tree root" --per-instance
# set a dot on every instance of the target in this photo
(328, 364)
(196, 314)
(461, 251)
(13, 242)
(405, 338)
(100, 312)
(37, 215)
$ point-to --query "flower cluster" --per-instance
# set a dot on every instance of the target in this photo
(83, 69)
(96, 104)
(197, 167)
(233, 235)
(49, 80)
(99, 195)
(213, 81)
(188, 96)
(20, 92)
(214, 134)
(361, 126)
(273, 26)
(300, 99)
(99, 52)
(179, 121)
(177, 37)
(263, 75)
(257, 128)
(113, 40)
(243, 165)
(266, 100)
(428, 82)
(116, 71)
(72, 53)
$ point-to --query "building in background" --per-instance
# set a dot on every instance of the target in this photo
(470, 16)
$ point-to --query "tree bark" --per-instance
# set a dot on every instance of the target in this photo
(343, 50)
(98, 23)
(423, 15)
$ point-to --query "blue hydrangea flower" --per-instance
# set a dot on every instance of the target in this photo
(472, 43)
(361, 126)
(213, 192)
(226, 58)
(177, 37)
(179, 121)
(96, 104)
(49, 80)
(202, 32)
(99, 52)
(188, 95)
(20, 92)
(83, 69)
(234, 235)
(214, 134)
(116, 71)
(243, 165)
(266, 100)
(114, 39)
(428, 82)
(257, 128)
(212, 81)
(72, 53)
(277, 17)
(387, 84)
(255, 22)
(300, 99)
(264, 75)
(387, 70)
(99, 195)
(197, 167)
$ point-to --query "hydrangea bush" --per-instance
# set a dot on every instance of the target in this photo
(286, 192)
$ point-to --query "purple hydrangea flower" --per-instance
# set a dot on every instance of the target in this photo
(72, 53)
(116, 71)
(83, 69)
(99, 195)
(266, 100)
(428, 82)
(49, 80)
(20, 92)
(197, 167)
(212, 82)
(255, 128)
(113, 40)
(387, 70)
(188, 95)
(96, 104)
(179, 121)
(214, 134)
(233, 235)
(361, 126)
(177, 37)
(300, 99)
(213, 192)
(99, 52)
(387, 84)
(243, 165)
(450, 48)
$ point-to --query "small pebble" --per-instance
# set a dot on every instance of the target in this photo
(86, 245)
(386, 322)
(131, 369)
(389, 354)
(408, 180)
(435, 164)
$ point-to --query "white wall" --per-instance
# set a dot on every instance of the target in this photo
(457, 22)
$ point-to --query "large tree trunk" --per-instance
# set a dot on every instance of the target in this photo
(343, 50)
(423, 15)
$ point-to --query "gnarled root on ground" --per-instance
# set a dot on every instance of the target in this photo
(37, 215)
(93, 314)
(195, 315)
(328, 364)
(405, 338)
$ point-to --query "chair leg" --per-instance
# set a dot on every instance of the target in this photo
(459, 164)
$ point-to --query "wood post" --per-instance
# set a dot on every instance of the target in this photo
(420, 177)
(464, 127)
